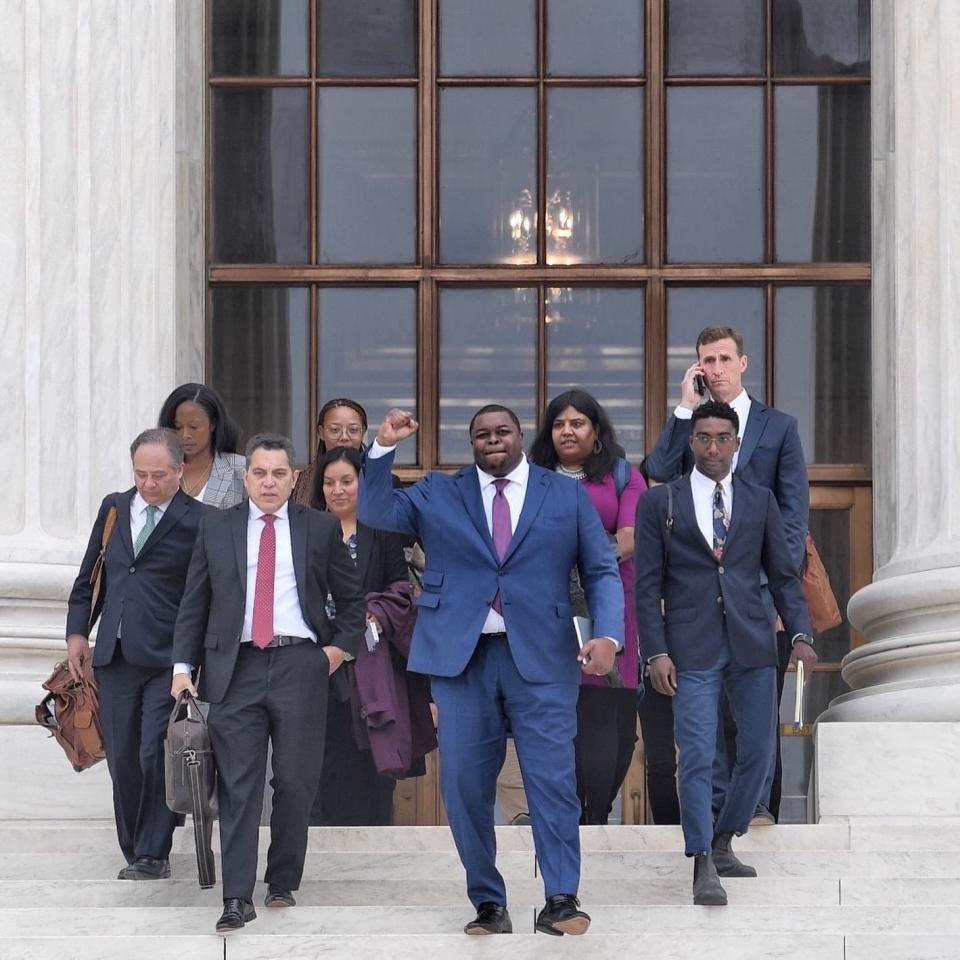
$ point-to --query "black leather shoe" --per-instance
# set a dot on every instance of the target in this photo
(728, 864)
(491, 918)
(236, 913)
(707, 891)
(279, 898)
(147, 868)
(562, 914)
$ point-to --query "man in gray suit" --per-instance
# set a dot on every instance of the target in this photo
(253, 616)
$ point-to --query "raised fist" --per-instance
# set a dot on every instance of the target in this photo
(397, 425)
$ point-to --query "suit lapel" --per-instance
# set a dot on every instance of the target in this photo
(688, 513)
(124, 502)
(537, 481)
(239, 520)
(756, 423)
(740, 506)
(298, 547)
(469, 487)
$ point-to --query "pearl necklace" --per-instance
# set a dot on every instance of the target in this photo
(579, 474)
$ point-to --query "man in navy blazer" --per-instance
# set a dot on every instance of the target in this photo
(702, 542)
(770, 455)
(144, 573)
(495, 633)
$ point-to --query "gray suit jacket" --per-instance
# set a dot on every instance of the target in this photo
(225, 487)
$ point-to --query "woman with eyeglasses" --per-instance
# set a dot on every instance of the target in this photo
(340, 423)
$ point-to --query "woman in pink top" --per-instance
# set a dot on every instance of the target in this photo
(577, 440)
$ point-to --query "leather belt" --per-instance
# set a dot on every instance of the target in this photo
(493, 636)
(280, 641)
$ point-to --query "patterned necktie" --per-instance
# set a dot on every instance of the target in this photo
(262, 628)
(502, 529)
(147, 529)
(721, 522)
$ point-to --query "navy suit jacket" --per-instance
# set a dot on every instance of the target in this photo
(770, 455)
(144, 591)
(702, 596)
(558, 528)
(210, 621)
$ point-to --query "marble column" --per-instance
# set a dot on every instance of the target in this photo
(909, 670)
(101, 275)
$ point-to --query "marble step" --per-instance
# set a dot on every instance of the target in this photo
(69, 895)
(389, 921)
(65, 837)
(246, 946)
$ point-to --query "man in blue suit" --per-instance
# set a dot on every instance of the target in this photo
(770, 455)
(496, 636)
(702, 542)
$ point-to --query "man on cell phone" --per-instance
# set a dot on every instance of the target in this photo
(770, 455)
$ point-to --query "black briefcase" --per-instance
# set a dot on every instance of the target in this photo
(191, 777)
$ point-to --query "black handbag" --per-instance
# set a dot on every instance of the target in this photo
(191, 778)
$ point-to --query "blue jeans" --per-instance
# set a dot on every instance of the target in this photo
(751, 692)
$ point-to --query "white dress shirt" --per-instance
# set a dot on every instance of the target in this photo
(741, 407)
(138, 514)
(703, 490)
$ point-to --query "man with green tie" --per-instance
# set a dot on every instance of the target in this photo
(144, 575)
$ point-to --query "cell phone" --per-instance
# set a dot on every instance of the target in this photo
(700, 385)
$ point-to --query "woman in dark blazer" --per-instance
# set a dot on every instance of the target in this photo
(385, 728)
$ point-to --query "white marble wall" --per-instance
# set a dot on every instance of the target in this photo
(101, 281)
(910, 669)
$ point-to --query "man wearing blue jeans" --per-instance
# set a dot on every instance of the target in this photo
(702, 541)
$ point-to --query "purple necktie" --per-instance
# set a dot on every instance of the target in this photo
(502, 530)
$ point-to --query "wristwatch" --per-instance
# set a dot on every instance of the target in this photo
(802, 638)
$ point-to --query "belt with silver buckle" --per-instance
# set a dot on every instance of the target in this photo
(280, 640)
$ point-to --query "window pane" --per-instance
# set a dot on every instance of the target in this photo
(707, 38)
(260, 200)
(366, 38)
(715, 175)
(266, 38)
(260, 354)
(821, 37)
(367, 351)
(595, 342)
(831, 533)
(822, 369)
(488, 175)
(600, 38)
(488, 344)
(367, 198)
(822, 173)
(595, 176)
(690, 309)
(495, 38)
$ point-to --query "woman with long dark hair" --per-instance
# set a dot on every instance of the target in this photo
(341, 422)
(577, 440)
(212, 467)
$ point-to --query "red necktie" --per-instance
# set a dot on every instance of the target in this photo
(502, 529)
(262, 631)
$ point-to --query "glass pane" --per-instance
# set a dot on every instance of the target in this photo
(599, 38)
(822, 369)
(821, 37)
(715, 174)
(366, 38)
(488, 175)
(595, 176)
(822, 171)
(488, 354)
(367, 351)
(595, 342)
(495, 38)
(831, 533)
(260, 355)
(270, 37)
(367, 189)
(260, 198)
(690, 309)
(707, 38)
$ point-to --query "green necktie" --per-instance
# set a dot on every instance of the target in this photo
(147, 529)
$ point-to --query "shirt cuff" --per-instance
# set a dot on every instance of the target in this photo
(614, 641)
(377, 450)
(182, 668)
(682, 413)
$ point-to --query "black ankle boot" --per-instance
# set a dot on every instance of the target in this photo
(707, 891)
(726, 861)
